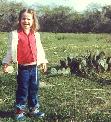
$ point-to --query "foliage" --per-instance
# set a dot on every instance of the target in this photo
(64, 19)
(59, 18)
(9, 15)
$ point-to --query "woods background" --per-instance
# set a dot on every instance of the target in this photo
(94, 19)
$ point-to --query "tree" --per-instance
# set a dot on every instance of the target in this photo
(8, 15)
(55, 19)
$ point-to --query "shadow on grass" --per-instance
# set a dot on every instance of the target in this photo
(54, 118)
(104, 81)
(0, 62)
(6, 114)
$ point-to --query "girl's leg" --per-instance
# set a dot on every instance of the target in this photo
(33, 99)
(21, 93)
(22, 88)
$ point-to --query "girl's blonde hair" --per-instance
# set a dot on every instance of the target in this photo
(35, 26)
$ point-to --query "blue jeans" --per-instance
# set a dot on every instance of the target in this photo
(28, 86)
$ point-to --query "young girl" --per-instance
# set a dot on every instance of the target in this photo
(26, 50)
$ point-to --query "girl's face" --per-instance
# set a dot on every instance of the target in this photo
(26, 21)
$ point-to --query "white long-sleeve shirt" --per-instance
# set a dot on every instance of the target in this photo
(11, 54)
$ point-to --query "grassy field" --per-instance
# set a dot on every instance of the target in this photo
(64, 98)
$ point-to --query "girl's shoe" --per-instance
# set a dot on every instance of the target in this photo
(36, 113)
(20, 115)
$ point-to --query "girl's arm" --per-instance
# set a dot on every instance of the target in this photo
(8, 57)
(41, 58)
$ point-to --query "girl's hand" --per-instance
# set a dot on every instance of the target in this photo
(4, 68)
(43, 67)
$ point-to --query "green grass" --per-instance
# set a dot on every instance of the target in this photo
(69, 98)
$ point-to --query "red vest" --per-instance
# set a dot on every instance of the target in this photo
(26, 48)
